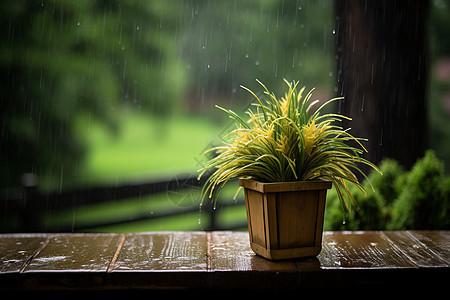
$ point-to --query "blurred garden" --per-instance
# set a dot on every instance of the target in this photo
(110, 92)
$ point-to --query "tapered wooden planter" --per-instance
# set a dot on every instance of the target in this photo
(285, 219)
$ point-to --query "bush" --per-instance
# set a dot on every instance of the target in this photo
(373, 208)
(415, 199)
(424, 201)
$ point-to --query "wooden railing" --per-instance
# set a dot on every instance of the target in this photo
(28, 204)
(385, 262)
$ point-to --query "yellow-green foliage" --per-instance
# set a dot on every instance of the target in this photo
(286, 140)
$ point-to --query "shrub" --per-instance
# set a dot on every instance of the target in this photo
(415, 199)
(373, 210)
(424, 201)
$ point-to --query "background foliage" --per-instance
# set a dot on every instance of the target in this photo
(107, 91)
(403, 199)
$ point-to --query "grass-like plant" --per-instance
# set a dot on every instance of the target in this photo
(284, 140)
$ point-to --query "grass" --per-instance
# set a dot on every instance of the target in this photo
(145, 148)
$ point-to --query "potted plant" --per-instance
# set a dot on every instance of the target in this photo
(286, 156)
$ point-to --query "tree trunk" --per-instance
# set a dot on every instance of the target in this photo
(382, 49)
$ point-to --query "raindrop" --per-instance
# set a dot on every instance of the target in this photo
(41, 80)
(334, 31)
(362, 105)
(61, 178)
(257, 62)
(246, 55)
(278, 17)
(381, 138)
(371, 79)
(78, 23)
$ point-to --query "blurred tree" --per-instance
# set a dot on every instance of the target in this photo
(383, 73)
(231, 43)
(439, 91)
(66, 61)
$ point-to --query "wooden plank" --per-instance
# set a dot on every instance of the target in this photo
(271, 222)
(76, 252)
(361, 250)
(425, 249)
(275, 187)
(256, 212)
(352, 260)
(195, 261)
(236, 266)
(230, 251)
(437, 241)
(297, 219)
(163, 251)
(161, 261)
(107, 193)
(16, 250)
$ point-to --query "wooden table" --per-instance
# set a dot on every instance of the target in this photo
(219, 261)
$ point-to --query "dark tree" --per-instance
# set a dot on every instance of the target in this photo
(382, 49)
(65, 63)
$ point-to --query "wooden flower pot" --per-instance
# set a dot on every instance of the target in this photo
(285, 219)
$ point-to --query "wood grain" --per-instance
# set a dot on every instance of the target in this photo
(421, 249)
(234, 265)
(17, 250)
(231, 251)
(275, 187)
(76, 252)
(296, 218)
(361, 250)
(256, 215)
(285, 219)
(163, 251)
(222, 261)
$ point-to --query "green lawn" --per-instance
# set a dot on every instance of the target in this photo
(145, 148)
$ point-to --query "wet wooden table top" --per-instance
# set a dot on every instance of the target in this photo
(190, 261)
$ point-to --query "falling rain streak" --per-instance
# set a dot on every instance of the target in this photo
(107, 92)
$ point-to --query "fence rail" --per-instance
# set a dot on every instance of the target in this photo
(27, 204)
